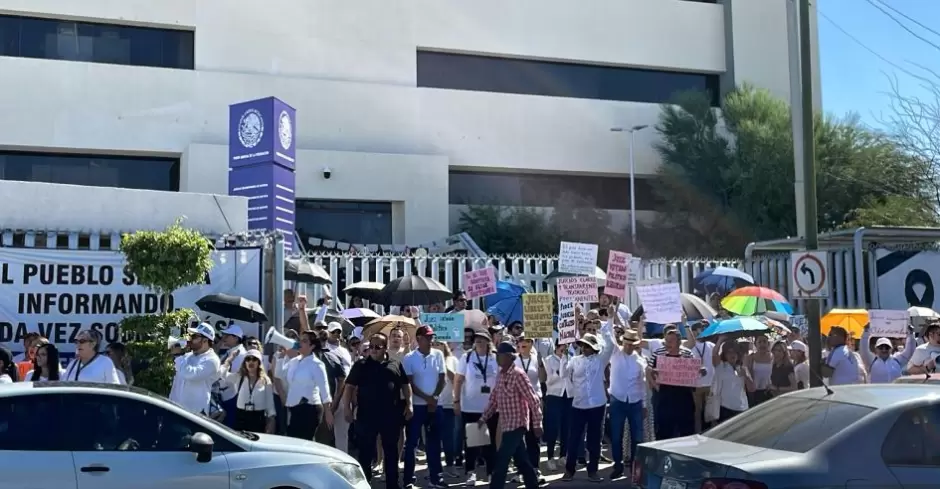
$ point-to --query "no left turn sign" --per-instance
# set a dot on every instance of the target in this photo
(809, 274)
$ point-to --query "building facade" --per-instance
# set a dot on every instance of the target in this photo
(411, 108)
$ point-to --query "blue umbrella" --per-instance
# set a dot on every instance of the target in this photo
(506, 303)
(736, 327)
(721, 280)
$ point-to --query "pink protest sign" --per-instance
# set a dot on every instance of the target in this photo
(618, 265)
(577, 289)
(678, 371)
(480, 283)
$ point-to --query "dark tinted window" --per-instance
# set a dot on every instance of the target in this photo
(349, 222)
(91, 170)
(32, 422)
(914, 439)
(26, 37)
(112, 423)
(515, 189)
(555, 79)
(790, 424)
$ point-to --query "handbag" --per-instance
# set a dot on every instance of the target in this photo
(713, 401)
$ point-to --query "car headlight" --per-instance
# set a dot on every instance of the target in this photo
(350, 472)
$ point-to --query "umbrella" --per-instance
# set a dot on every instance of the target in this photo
(851, 320)
(366, 290)
(299, 270)
(232, 307)
(475, 319)
(360, 316)
(922, 312)
(777, 326)
(598, 274)
(385, 324)
(749, 301)
(332, 315)
(506, 303)
(413, 290)
(721, 279)
(738, 327)
(693, 307)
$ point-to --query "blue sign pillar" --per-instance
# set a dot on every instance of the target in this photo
(262, 151)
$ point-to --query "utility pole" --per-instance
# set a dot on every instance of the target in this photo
(809, 184)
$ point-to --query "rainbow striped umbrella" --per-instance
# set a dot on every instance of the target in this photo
(754, 300)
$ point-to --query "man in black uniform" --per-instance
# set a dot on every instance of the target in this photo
(379, 393)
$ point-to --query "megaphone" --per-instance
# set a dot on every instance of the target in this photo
(174, 341)
(273, 337)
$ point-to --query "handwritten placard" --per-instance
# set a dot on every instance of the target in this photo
(537, 315)
(799, 323)
(661, 302)
(618, 274)
(683, 372)
(888, 323)
(579, 288)
(447, 327)
(567, 326)
(479, 283)
(577, 258)
(635, 272)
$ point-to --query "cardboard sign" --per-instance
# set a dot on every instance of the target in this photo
(537, 315)
(577, 289)
(618, 274)
(447, 327)
(888, 323)
(577, 258)
(479, 283)
(661, 303)
(679, 371)
(567, 326)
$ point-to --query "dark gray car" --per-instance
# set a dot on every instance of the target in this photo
(858, 436)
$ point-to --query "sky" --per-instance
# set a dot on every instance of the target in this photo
(856, 72)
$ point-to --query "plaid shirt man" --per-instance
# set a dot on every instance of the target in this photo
(515, 400)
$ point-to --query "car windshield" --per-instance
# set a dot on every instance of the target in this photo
(791, 424)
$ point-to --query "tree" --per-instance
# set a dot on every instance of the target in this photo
(914, 125)
(727, 178)
(163, 261)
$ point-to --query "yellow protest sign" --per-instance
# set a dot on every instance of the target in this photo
(537, 315)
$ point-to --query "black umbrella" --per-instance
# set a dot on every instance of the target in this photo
(232, 307)
(298, 270)
(693, 307)
(414, 290)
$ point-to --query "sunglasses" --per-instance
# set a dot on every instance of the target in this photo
(82, 341)
(377, 347)
(884, 347)
(252, 360)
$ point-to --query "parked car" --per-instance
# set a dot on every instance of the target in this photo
(60, 435)
(932, 379)
(869, 435)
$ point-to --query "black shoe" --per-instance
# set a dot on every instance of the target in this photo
(617, 472)
(582, 461)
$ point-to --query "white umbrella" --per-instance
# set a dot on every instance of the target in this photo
(922, 312)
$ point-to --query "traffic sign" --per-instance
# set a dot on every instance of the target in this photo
(809, 274)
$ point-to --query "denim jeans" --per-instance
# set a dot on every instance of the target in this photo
(424, 419)
(557, 414)
(623, 414)
(449, 434)
(588, 425)
(512, 446)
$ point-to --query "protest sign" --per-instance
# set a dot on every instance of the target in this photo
(635, 271)
(567, 326)
(447, 327)
(479, 283)
(577, 258)
(579, 288)
(537, 315)
(683, 372)
(661, 303)
(798, 323)
(888, 323)
(618, 274)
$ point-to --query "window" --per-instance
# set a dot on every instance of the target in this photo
(790, 424)
(914, 438)
(91, 170)
(27, 37)
(530, 190)
(113, 423)
(346, 221)
(32, 422)
(556, 79)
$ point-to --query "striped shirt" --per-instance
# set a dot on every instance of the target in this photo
(673, 394)
(683, 353)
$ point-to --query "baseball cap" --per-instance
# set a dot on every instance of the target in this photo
(482, 334)
(424, 331)
(204, 329)
(799, 346)
(253, 353)
(883, 342)
(506, 347)
(334, 326)
(234, 330)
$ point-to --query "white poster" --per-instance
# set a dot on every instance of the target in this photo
(577, 258)
(58, 293)
(886, 323)
(567, 323)
(661, 303)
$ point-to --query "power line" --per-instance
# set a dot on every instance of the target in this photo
(909, 18)
(902, 25)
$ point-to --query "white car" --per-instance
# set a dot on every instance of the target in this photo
(61, 435)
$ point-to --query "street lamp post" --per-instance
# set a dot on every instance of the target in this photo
(633, 130)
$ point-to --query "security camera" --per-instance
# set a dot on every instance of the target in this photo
(327, 173)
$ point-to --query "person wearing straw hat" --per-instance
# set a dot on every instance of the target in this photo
(627, 397)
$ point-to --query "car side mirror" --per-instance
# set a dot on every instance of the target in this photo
(201, 444)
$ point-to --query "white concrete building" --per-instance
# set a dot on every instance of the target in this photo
(416, 106)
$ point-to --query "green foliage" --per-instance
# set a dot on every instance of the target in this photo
(151, 333)
(165, 261)
(727, 181)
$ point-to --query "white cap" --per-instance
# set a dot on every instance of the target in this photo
(799, 346)
(883, 342)
(253, 353)
(204, 329)
(234, 330)
(334, 326)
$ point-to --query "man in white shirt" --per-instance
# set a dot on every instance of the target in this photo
(703, 351)
(334, 343)
(196, 371)
(924, 359)
(627, 398)
(232, 339)
(89, 365)
(426, 373)
(884, 366)
(841, 366)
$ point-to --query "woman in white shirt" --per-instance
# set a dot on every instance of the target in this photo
(732, 381)
(557, 403)
(254, 395)
(46, 365)
(7, 367)
(89, 365)
(473, 382)
(449, 433)
(798, 351)
(308, 390)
